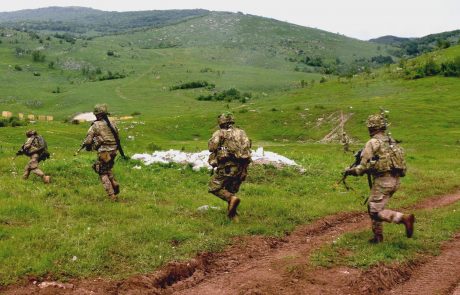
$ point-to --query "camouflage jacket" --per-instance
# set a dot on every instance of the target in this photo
(229, 144)
(32, 146)
(379, 157)
(100, 137)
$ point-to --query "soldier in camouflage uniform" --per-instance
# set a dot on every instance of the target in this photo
(378, 159)
(230, 156)
(101, 138)
(35, 147)
(345, 142)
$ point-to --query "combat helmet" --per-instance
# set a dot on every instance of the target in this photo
(376, 122)
(226, 118)
(100, 109)
(30, 133)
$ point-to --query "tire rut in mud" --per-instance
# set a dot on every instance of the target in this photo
(259, 265)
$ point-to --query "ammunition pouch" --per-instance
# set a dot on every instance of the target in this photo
(43, 156)
(212, 160)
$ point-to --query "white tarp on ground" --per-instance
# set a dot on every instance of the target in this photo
(85, 117)
(200, 160)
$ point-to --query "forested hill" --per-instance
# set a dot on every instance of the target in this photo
(410, 47)
(82, 20)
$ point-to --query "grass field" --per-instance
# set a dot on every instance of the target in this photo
(69, 229)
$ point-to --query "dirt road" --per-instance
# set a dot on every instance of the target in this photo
(259, 265)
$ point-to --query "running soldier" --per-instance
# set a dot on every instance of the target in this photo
(230, 156)
(37, 149)
(103, 137)
(384, 160)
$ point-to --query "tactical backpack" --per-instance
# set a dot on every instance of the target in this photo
(234, 144)
(42, 148)
(390, 158)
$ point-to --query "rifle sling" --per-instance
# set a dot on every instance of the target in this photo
(115, 134)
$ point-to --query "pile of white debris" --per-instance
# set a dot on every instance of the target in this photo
(200, 160)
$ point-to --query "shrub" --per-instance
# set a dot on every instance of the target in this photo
(37, 74)
(17, 67)
(323, 80)
(110, 53)
(192, 85)
(38, 56)
(112, 76)
(13, 122)
(51, 65)
(57, 90)
(227, 95)
(135, 114)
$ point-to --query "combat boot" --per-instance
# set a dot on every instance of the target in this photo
(116, 188)
(408, 221)
(47, 179)
(232, 205)
(113, 198)
(378, 238)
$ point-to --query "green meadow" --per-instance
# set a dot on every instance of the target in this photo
(69, 229)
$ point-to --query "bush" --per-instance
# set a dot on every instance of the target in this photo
(12, 122)
(192, 85)
(227, 95)
(451, 68)
(112, 76)
(38, 56)
(323, 80)
(37, 74)
(135, 114)
(110, 53)
(380, 59)
(57, 90)
(17, 67)
(51, 65)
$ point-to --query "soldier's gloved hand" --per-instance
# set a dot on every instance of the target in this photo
(350, 171)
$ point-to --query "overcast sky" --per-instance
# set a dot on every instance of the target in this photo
(361, 19)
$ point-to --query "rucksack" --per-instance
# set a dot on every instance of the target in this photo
(41, 143)
(390, 158)
(234, 143)
(42, 148)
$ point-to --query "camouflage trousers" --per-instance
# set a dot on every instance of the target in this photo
(103, 166)
(32, 166)
(382, 190)
(227, 179)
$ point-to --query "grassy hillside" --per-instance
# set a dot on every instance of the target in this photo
(42, 228)
(87, 21)
(252, 54)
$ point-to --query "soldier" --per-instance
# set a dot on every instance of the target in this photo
(345, 142)
(230, 154)
(36, 148)
(384, 160)
(103, 137)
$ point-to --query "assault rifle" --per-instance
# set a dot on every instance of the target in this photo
(345, 174)
(115, 135)
(83, 145)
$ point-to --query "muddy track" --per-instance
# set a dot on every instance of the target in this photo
(260, 265)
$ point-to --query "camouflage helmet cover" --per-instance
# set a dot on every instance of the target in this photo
(30, 133)
(100, 109)
(226, 118)
(376, 121)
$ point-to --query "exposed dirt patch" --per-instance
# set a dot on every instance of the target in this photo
(439, 275)
(261, 265)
